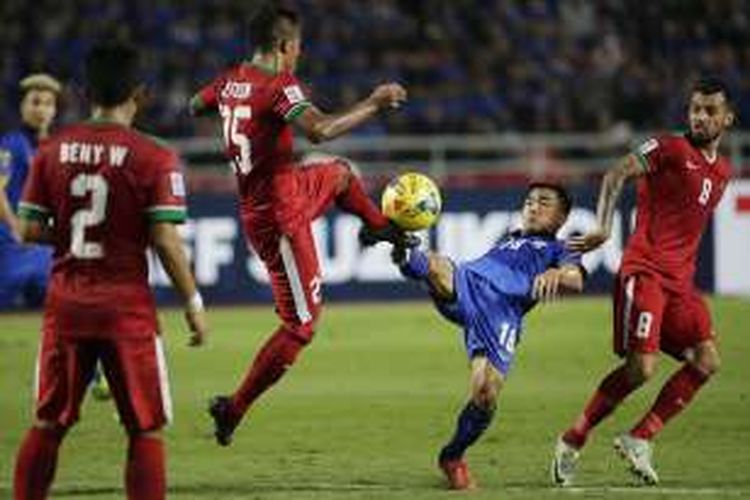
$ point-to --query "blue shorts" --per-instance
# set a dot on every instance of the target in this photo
(24, 274)
(490, 321)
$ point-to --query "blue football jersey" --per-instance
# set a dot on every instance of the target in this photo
(493, 293)
(501, 280)
(17, 149)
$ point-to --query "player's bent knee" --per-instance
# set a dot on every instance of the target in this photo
(641, 368)
(345, 174)
(486, 388)
(708, 363)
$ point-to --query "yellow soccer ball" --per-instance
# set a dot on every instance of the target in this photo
(412, 201)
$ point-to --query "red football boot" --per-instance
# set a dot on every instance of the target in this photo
(458, 475)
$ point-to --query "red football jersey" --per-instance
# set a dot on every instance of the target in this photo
(102, 184)
(256, 106)
(676, 198)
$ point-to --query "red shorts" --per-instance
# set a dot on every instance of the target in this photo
(290, 255)
(649, 318)
(134, 367)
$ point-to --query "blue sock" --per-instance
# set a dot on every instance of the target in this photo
(472, 422)
(416, 266)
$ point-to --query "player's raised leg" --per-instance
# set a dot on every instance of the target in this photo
(473, 420)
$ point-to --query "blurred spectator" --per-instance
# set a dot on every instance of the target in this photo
(471, 65)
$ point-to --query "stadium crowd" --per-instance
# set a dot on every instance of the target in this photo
(470, 65)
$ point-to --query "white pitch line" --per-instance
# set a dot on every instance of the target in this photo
(647, 490)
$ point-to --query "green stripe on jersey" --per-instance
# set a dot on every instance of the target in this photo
(167, 215)
(296, 110)
(31, 211)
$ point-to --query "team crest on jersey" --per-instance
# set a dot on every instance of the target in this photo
(294, 94)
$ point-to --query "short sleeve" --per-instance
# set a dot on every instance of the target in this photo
(290, 99)
(207, 97)
(35, 202)
(167, 191)
(650, 154)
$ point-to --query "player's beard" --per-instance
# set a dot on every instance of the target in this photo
(703, 139)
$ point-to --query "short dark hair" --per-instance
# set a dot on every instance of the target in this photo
(112, 72)
(708, 85)
(271, 25)
(566, 203)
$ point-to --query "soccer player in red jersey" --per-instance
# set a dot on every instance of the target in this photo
(680, 180)
(100, 192)
(279, 198)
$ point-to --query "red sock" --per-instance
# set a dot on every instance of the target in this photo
(673, 398)
(269, 365)
(355, 200)
(36, 463)
(614, 388)
(144, 471)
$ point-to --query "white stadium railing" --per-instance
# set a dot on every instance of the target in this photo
(453, 154)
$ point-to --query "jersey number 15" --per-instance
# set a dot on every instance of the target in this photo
(234, 138)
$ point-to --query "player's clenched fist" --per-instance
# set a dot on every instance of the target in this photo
(388, 95)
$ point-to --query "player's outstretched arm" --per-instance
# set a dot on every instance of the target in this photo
(168, 246)
(548, 285)
(609, 195)
(321, 127)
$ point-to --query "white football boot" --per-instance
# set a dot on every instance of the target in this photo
(637, 452)
(563, 467)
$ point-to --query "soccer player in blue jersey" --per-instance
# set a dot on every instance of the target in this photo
(488, 297)
(24, 269)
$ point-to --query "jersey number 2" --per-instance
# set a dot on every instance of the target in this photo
(232, 116)
(86, 217)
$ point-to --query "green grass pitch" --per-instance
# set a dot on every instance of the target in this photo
(365, 410)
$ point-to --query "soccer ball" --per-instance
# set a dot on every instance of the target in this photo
(412, 201)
